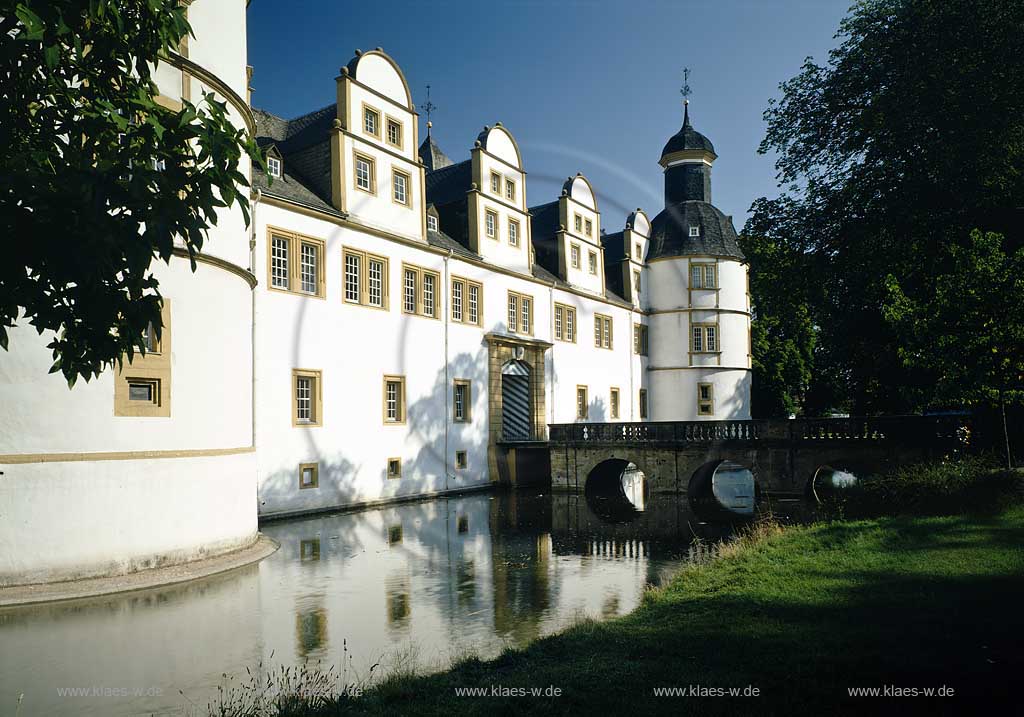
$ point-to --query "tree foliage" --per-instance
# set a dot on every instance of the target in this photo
(98, 178)
(909, 137)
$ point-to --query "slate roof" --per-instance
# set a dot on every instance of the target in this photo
(612, 243)
(670, 232)
(687, 138)
(304, 144)
(432, 156)
(449, 184)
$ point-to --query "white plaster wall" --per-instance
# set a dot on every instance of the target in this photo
(219, 44)
(210, 379)
(673, 394)
(376, 72)
(84, 518)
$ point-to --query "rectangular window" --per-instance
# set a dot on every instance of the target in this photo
(279, 261)
(144, 390)
(703, 276)
(458, 290)
(613, 402)
(365, 171)
(461, 401)
(429, 292)
(309, 475)
(409, 291)
(150, 339)
(574, 256)
(565, 323)
(589, 230)
(394, 132)
(705, 399)
(520, 313)
(495, 183)
(371, 121)
(366, 278)
(602, 331)
(302, 276)
(461, 463)
(582, 404)
(419, 291)
(640, 339)
(491, 224)
(306, 397)
(592, 262)
(513, 232)
(578, 223)
(400, 186)
(636, 283)
(465, 301)
(394, 473)
(432, 222)
(309, 268)
(510, 190)
(695, 231)
(353, 276)
(476, 292)
(394, 399)
(643, 403)
(273, 166)
(704, 338)
(637, 251)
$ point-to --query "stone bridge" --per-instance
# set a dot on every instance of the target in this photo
(783, 454)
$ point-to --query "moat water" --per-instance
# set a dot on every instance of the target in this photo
(419, 584)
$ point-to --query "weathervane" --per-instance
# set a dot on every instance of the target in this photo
(428, 107)
(685, 90)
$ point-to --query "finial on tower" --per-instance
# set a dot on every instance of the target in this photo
(685, 91)
(428, 107)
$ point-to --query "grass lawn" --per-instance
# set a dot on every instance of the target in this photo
(801, 614)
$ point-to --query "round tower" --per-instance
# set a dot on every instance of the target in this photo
(699, 302)
(152, 464)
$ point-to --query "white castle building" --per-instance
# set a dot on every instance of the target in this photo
(391, 324)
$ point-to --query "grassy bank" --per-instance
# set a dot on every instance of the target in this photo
(800, 614)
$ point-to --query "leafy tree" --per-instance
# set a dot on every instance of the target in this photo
(782, 334)
(98, 178)
(909, 137)
(967, 328)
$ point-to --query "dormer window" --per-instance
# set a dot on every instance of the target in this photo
(510, 190)
(637, 251)
(578, 223)
(495, 183)
(394, 133)
(589, 227)
(695, 231)
(432, 222)
(274, 167)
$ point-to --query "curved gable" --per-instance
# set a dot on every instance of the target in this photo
(639, 222)
(581, 190)
(377, 70)
(499, 141)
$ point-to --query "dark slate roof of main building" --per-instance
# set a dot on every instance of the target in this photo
(670, 232)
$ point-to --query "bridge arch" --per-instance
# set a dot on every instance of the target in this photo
(616, 489)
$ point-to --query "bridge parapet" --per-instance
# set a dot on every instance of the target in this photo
(784, 454)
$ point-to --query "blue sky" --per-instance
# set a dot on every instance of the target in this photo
(585, 86)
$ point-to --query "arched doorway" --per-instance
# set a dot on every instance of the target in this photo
(516, 411)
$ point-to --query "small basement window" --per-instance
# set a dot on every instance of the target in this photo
(461, 460)
(309, 475)
(394, 468)
(146, 390)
